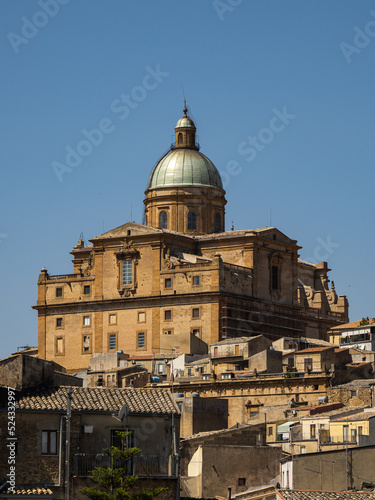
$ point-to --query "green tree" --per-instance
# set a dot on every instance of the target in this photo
(115, 482)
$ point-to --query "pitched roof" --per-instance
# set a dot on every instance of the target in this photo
(355, 383)
(313, 349)
(353, 324)
(366, 415)
(324, 495)
(236, 340)
(237, 427)
(103, 399)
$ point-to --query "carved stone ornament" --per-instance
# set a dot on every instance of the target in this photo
(127, 251)
(309, 291)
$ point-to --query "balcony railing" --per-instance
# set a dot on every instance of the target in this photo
(151, 465)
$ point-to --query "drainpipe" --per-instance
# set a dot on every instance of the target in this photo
(176, 457)
(67, 442)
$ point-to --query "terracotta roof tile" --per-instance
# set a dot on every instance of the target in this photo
(353, 324)
(29, 492)
(324, 495)
(313, 349)
(366, 415)
(102, 399)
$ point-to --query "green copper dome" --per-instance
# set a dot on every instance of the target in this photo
(184, 167)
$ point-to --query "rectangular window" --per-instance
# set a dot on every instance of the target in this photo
(275, 278)
(241, 481)
(59, 291)
(353, 394)
(360, 430)
(168, 283)
(189, 371)
(168, 314)
(127, 272)
(141, 340)
(141, 317)
(112, 319)
(160, 368)
(236, 350)
(100, 381)
(254, 411)
(303, 450)
(195, 331)
(87, 290)
(195, 312)
(49, 442)
(226, 376)
(86, 320)
(195, 280)
(59, 322)
(86, 343)
(353, 435)
(312, 431)
(167, 332)
(270, 431)
(112, 341)
(59, 345)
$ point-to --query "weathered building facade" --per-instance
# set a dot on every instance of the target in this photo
(160, 286)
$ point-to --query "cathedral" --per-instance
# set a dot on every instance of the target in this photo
(180, 281)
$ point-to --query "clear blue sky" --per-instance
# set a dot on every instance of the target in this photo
(66, 67)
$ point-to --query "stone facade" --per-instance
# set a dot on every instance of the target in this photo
(256, 399)
(149, 288)
(236, 458)
(153, 420)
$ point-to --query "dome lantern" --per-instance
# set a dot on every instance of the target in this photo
(185, 132)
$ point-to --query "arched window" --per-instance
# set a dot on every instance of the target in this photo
(217, 223)
(179, 140)
(192, 220)
(163, 219)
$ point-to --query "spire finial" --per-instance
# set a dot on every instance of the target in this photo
(185, 108)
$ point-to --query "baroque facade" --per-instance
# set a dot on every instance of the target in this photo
(181, 282)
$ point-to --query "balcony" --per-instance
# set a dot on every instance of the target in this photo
(150, 466)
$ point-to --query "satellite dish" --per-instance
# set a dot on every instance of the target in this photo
(124, 412)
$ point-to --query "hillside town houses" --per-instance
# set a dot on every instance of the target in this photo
(228, 361)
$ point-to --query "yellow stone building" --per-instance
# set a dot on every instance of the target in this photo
(181, 281)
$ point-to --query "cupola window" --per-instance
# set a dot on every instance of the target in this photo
(217, 222)
(192, 220)
(163, 219)
(179, 139)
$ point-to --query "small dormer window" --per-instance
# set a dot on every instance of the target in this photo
(192, 220)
